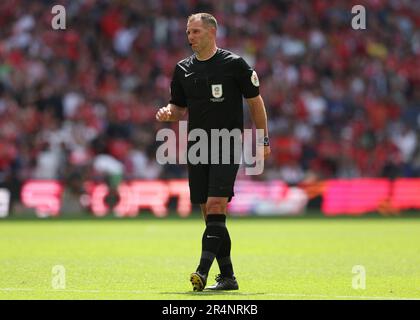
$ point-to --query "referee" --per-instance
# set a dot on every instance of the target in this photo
(210, 84)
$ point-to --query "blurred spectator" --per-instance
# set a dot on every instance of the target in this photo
(341, 102)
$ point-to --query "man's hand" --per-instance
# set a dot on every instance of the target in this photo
(263, 152)
(164, 114)
(171, 113)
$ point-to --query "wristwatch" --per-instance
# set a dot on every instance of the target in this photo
(266, 141)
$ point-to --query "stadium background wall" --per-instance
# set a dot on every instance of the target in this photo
(266, 198)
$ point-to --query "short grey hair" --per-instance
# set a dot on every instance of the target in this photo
(207, 19)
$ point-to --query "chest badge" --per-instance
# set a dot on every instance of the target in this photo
(217, 90)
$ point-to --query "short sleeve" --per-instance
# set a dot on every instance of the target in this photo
(177, 91)
(247, 79)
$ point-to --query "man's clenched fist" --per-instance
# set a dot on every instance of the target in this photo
(163, 114)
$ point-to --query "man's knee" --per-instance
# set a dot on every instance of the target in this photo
(216, 206)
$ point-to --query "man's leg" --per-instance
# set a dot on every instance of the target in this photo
(221, 183)
(215, 232)
(226, 280)
(221, 179)
(213, 236)
(223, 256)
(198, 183)
(204, 212)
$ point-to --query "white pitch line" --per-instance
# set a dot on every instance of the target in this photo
(338, 297)
(78, 290)
(100, 291)
(16, 289)
(198, 294)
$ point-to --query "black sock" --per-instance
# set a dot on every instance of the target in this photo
(213, 236)
(223, 257)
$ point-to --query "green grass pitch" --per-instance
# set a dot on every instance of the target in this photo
(283, 258)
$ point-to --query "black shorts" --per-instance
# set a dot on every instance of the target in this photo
(211, 180)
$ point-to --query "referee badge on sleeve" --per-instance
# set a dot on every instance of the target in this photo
(254, 79)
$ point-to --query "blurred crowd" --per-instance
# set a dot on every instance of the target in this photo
(79, 103)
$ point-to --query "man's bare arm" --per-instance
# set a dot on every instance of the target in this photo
(259, 117)
(170, 113)
(258, 113)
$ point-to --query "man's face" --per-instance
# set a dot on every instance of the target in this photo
(199, 35)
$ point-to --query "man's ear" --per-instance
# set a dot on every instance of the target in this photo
(213, 31)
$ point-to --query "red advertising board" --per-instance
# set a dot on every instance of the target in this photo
(339, 197)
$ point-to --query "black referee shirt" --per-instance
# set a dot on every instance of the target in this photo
(212, 90)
